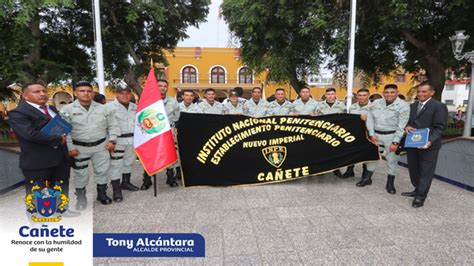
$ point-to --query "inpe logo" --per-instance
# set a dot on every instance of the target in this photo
(275, 155)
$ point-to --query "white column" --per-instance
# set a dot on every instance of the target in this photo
(470, 101)
(98, 48)
(350, 69)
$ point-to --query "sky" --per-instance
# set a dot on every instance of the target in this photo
(213, 33)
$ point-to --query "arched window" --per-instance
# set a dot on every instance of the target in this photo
(189, 75)
(217, 75)
(245, 75)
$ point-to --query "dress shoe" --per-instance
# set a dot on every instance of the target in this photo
(417, 203)
(409, 194)
(337, 173)
(390, 187)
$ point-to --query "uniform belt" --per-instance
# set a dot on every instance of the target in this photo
(126, 135)
(385, 132)
(88, 144)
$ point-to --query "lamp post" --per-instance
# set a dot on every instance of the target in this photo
(458, 40)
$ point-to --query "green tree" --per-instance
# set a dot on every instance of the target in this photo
(53, 40)
(412, 34)
(38, 43)
(132, 33)
(284, 36)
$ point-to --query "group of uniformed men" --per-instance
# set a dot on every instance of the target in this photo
(103, 134)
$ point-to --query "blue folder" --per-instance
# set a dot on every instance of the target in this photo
(57, 127)
(417, 138)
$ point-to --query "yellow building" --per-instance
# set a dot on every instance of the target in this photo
(199, 68)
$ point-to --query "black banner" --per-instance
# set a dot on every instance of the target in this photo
(225, 150)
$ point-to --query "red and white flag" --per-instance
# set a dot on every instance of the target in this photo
(153, 136)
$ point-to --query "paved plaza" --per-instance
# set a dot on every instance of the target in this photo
(317, 220)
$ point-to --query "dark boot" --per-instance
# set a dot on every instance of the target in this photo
(102, 194)
(364, 169)
(126, 185)
(390, 187)
(81, 203)
(349, 172)
(117, 190)
(177, 177)
(366, 179)
(337, 173)
(146, 182)
(170, 178)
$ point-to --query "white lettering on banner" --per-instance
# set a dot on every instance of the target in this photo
(120, 243)
(146, 242)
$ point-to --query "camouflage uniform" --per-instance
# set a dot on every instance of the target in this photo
(216, 108)
(304, 108)
(230, 109)
(259, 109)
(325, 109)
(387, 123)
(280, 109)
(91, 129)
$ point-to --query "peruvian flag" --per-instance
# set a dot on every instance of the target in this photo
(152, 137)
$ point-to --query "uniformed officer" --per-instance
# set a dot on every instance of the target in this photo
(209, 105)
(361, 107)
(93, 137)
(233, 106)
(256, 106)
(172, 111)
(386, 122)
(330, 105)
(239, 91)
(187, 105)
(280, 106)
(121, 160)
(304, 105)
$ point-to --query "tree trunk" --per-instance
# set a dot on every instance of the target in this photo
(435, 71)
(132, 81)
(34, 54)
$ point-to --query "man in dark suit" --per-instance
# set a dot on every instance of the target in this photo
(425, 113)
(43, 157)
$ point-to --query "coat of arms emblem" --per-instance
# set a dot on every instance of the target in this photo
(46, 201)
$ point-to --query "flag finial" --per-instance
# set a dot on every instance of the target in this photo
(151, 63)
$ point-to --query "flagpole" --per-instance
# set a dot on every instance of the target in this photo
(98, 48)
(350, 71)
